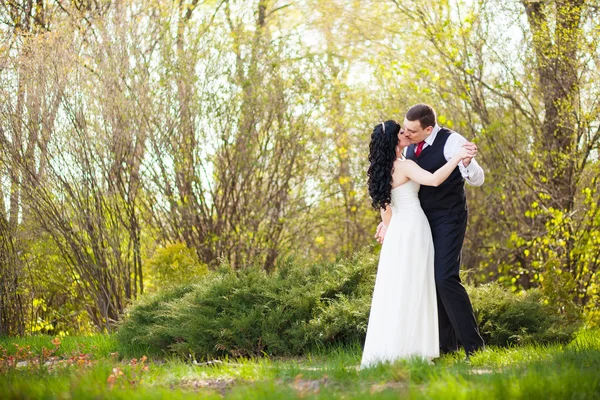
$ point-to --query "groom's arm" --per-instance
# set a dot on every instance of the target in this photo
(473, 173)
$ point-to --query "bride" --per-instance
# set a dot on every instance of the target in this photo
(403, 321)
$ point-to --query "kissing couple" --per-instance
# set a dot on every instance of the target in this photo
(416, 178)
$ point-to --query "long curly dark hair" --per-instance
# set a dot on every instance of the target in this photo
(382, 154)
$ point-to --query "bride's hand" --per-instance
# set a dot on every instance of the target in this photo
(380, 234)
(472, 147)
(465, 152)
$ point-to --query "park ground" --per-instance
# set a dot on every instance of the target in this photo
(43, 367)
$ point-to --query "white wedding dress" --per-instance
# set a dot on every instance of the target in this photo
(403, 322)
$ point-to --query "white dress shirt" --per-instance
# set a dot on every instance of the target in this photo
(473, 173)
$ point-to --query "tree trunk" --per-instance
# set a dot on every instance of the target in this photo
(557, 66)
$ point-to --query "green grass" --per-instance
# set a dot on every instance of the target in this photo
(100, 345)
(527, 372)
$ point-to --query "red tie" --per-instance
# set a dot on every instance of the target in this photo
(419, 148)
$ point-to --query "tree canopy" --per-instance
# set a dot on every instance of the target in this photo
(138, 136)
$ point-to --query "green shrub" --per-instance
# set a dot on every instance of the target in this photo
(173, 265)
(343, 320)
(507, 318)
(299, 307)
(148, 324)
(248, 312)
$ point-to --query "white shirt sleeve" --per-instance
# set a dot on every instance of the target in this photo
(473, 173)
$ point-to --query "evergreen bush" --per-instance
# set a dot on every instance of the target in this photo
(298, 307)
(507, 318)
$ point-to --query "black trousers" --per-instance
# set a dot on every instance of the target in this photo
(455, 313)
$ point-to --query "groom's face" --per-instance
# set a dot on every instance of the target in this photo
(415, 132)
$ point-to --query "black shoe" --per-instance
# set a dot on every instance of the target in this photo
(443, 352)
(471, 352)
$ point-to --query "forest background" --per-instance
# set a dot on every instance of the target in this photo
(145, 143)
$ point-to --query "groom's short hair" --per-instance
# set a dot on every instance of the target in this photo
(424, 113)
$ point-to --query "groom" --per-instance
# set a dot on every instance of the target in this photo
(446, 209)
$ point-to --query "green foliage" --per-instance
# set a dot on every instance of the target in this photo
(251, 143)
(304, 306)
(342, 320)
(563, 260)
(249, 312)
(174, 264)
(507, 318)
(57, 304)
(147, 325)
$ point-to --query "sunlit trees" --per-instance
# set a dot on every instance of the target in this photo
(239, 130)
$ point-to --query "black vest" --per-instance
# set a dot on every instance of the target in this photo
(450, 195)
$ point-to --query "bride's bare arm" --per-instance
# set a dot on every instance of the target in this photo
(419, 175)
(386, 215)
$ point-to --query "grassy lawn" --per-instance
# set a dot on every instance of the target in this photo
(88, 367)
